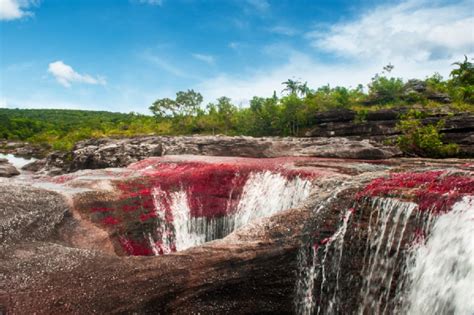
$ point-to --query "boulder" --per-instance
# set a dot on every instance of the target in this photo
(7, 169)
(24, 149)
(335, 115)
(28, 214)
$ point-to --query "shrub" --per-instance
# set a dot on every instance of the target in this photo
(385, 90)
(461, 86)
(423, 140)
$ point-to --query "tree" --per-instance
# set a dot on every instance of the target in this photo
(384, 90)
(464, 74)
(293, 114)
(186, 104)
(225, 111)
(424, 140)
(462, 83)
(296, 87)
(164, 108)
(266, 116)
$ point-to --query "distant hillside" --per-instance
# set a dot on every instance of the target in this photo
(62, 128)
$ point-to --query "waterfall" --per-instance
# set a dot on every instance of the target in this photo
(441, 271)
(411, 262)
(267, 193)
(380, 257)
(307, 266)
(264, 194)
(178, 234)
(379, 267)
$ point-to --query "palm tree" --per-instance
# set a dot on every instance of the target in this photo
(296, 87)
(291, 86)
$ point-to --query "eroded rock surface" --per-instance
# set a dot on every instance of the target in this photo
(7, 169)
(381, 125)
(254, 269)
(103, 153)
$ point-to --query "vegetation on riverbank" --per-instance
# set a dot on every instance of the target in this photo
(289, 114)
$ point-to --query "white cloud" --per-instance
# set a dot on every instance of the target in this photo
(283, 30)
(205, 58)
(66, 75)
(15, 9)
(3, 103)
(260, 5)
(164, 65)
(151, 2)
(418, 38)
(262, 82)
(414, 30)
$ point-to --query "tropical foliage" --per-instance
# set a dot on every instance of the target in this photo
(423, 139)
(289, 113)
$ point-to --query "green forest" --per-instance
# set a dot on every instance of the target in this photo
(290, 111)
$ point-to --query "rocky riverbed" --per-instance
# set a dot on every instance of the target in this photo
(107, 152)
(200, 234)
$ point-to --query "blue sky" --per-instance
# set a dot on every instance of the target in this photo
(121, 55)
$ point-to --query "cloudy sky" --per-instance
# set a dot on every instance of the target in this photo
(121, 55)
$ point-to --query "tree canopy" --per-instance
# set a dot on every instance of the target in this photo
(289, 114)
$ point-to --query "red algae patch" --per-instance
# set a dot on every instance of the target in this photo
(213, 184)
(433, 191)
(141, 217)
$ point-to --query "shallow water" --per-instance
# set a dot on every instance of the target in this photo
(18, 162)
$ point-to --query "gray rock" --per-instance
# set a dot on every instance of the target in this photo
(103, 153)
(106, 152)
(381, 125)
(34, 166)
(7, 169)
(28, 214)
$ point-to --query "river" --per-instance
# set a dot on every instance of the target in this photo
(18, 162)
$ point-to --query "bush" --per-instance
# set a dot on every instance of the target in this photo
(385, 90)
(461, 86)
(423, 140)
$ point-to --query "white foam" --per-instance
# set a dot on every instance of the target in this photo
(442, 274)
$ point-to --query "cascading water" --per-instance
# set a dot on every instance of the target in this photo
(400, 261)
(178, 234)
(441, 271)
(379, 266)
(267, 193)
(304, 302)
(385, 232)
(263, 194)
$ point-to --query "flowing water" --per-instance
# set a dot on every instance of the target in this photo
(434, 275)
(441, 271)
(18, 162)
(308, 271)
(264, 194)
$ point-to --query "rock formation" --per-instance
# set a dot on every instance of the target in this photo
(7, 169)
(381, 125)
(338, 133)
(278, 235)
(105, 152)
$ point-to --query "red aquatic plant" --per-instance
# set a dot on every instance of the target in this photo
(434, 191)
(110, 221)
(212, 185)
(135, 248)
